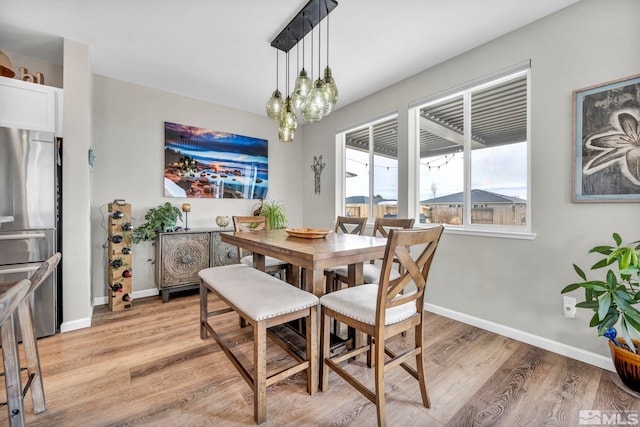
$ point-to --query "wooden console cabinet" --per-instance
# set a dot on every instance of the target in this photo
(180, 255)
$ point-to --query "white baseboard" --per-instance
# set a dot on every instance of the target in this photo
(545, 343)
(135, 294)
(77, 324)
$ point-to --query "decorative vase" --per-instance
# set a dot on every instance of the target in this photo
(223, 221)
(627, 364)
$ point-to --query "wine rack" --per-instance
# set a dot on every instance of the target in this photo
(119, 246)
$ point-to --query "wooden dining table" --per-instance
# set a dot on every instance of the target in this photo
(312, 255)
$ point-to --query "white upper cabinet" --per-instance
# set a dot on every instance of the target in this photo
(30, 106)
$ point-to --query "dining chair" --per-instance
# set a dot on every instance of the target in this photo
(382, 311)
(255, 223)
(25, 319)
(10, 298)
(370, 271)
(346, 225)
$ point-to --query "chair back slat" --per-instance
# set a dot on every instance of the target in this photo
(44, 271)
(382, 226)
(10, 299)
(413, 269)
(249, 223)
(351, 225)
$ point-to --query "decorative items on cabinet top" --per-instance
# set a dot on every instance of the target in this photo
(6, 68)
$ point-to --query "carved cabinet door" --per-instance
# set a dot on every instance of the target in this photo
(179, 258)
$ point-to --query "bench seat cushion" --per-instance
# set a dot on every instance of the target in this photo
(257, 294)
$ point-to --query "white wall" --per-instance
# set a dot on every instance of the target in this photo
(129, 149)
(77, 186)
(516, 283)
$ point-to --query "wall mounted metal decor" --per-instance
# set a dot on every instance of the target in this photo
(317, 167)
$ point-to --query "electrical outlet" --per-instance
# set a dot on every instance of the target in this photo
(569, 307)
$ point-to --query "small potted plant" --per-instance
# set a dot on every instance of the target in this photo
(159, 219)
(276, 213)
(614, 300)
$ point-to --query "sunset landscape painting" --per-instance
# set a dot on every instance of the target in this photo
(203, 163)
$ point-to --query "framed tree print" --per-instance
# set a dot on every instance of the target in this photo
(606, 142)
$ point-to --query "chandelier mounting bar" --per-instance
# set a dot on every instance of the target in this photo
(310, 15)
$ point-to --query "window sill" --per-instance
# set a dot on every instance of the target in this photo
(503, 234)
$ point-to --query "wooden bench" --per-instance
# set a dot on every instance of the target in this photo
(263, 301)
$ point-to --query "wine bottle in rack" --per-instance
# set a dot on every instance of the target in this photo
(126, 251)
(116, 238)
(117, 263)
(127, 226)
(126, 298)
(117, 215)
(126, 273)
(116, 287)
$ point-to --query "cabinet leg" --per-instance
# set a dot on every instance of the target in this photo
(165, 296)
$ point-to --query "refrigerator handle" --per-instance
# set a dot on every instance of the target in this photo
(22, 269)
(22, 236)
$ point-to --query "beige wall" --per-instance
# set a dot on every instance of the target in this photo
(129, 149)
(588, 43)
(77, 187)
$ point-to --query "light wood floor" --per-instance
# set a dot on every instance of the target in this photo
(147, 366)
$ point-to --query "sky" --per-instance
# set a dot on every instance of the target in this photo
(501, 170)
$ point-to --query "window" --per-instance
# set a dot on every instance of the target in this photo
(371, 169)
(473, 145)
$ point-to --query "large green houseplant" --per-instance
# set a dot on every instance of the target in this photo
(276, 213)
(159, 219)
(613, 298)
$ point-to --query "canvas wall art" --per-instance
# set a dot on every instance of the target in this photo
(606, 142)
(203, 163)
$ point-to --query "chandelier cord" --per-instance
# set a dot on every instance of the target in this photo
(319, 41)
(277, 69)
(327, 36)
(311, 54)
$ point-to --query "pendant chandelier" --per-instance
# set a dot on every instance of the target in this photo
(312, 100)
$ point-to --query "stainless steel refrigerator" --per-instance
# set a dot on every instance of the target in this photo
(28, 207)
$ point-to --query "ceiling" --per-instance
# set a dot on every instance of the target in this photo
(219, 50)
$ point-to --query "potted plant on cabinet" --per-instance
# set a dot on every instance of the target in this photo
(159, 219)
(276, 213)
(614, 300)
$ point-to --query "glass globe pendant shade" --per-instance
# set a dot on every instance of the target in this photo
(331, 88)
(285, 134)
(301, 89)
(315, 103)
(275, 105)
(288, 119)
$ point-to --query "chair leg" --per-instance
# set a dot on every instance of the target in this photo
(260, 373)
(422, 380)
(379, 381)
(204, 292)
(370, 362)
(13, 383)
(312, 350)
(325, 344)
(32, 356)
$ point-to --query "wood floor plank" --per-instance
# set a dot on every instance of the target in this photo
(147, 366)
